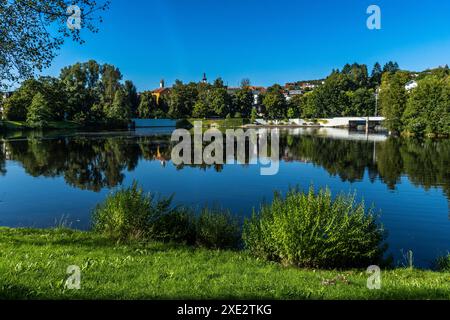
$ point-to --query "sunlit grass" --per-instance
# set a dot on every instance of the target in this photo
(33, 265)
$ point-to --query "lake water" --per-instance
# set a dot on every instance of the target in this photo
(53, 177)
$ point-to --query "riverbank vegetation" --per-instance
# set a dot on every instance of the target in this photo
(142, 247)
(424, 110)
(88, 94)
(313, 230)
(33, 265)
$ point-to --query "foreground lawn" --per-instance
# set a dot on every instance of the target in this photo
(33, 265)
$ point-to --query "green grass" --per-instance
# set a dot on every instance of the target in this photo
(33, 265)
(221, 123)
(20, 125)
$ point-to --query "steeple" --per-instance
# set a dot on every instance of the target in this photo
(204, 80)
(161, 84)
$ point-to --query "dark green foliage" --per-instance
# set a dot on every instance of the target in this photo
(443, 263)
(393, 99)
(87, 93)
(147, 105)
(275, 103)
(428, 108)
(243, 101)
(16, 107)
(39, 113)
(131, 214)
(217, 229)
(182, 99)
(313, 230)
(32, 31)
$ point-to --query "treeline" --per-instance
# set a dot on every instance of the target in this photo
(86, 93)
(93, 94)
(198, 100)
(422, 111)
(349, 92)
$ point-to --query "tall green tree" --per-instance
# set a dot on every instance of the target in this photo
(375, 77)
(181, 99)
(110, 83)
(201, 110)
(296, 105)
(119, 110)
(391, 67)
(219, 101)
(428, 107)
(393, 99)
(147, 105)
(243, 101)
(131, 96)
(275, 103)
(39, 112)
(16, 106)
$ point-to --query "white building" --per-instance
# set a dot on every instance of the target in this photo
(411, 85)
(289, 94)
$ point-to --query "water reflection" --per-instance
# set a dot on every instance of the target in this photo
(95, 161)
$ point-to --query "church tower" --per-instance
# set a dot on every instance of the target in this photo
(204, 80)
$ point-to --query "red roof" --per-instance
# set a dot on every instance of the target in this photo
(160, 90)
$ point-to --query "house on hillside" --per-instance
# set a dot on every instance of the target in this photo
(161, 91)
(411, 85)
(289, 94)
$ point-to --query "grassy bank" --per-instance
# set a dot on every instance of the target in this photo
(220, 123)
(22, 125)
(33, 265)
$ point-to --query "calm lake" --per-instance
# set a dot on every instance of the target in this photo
(53, 177)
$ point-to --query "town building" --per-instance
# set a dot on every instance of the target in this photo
(411, 85)
(289, 94)
(161, 91)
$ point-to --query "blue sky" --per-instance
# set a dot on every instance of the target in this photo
(267, 41)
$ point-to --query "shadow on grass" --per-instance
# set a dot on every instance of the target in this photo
(19, 292)
(80, 239)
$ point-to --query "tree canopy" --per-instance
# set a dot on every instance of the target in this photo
(32, 31)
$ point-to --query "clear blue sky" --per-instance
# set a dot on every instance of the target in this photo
(267, 41)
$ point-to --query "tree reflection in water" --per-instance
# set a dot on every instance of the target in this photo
(95, 161)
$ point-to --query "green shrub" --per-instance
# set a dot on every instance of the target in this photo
(176, 226)
(443, 263)
(217, 229)
(313, 230)
(129, 213)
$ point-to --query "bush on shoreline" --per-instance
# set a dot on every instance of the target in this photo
(302, 229)
(442, 264)
(129, 214)
(218, 229)
(314, 231)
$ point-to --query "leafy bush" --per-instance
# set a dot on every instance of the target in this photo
(129, 213)
(217, 229)
(313, 230)
(443, 263)
(176, 226)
